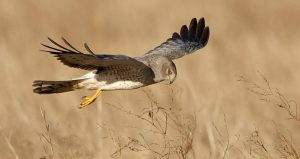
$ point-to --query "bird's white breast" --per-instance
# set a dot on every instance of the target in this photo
(93, 81)
(121, 85)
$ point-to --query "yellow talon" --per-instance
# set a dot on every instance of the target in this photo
(89, 99)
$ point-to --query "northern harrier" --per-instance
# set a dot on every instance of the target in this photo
(117, 72)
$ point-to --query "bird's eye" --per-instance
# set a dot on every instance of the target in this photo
(168, 71)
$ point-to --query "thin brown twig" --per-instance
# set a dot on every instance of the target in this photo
(162, 121)
(286, 147)
(272, 95)
(47, 136)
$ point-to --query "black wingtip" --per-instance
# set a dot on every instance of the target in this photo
(199, 29)
(205, 36)
(192, 29)
(175, 36)
(194, 32)
(197, 32)
(201, 20)
(184, 32)
(193, 22)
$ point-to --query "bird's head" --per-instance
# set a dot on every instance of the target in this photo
(165, 70)
(169, 71)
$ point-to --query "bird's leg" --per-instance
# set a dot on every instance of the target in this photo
(89, 99)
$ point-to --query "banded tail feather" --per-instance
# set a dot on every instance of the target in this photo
(49, 87)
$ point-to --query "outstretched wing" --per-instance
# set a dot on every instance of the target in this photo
(74, 58)
(188, 41)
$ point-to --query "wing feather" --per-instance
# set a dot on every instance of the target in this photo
(77, 59)
(188, 41)
(200, 28)
(192, 29)
(71, 46)
(184, 31)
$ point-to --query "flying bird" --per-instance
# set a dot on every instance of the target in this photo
(121, 72)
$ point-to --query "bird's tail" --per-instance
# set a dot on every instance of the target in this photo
(48, 87)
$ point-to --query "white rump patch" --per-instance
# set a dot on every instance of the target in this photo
(86, 76)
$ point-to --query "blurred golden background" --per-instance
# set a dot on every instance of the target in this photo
(246, 37)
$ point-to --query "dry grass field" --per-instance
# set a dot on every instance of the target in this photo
(236, 98)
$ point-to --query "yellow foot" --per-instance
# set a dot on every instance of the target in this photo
(89, 100)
